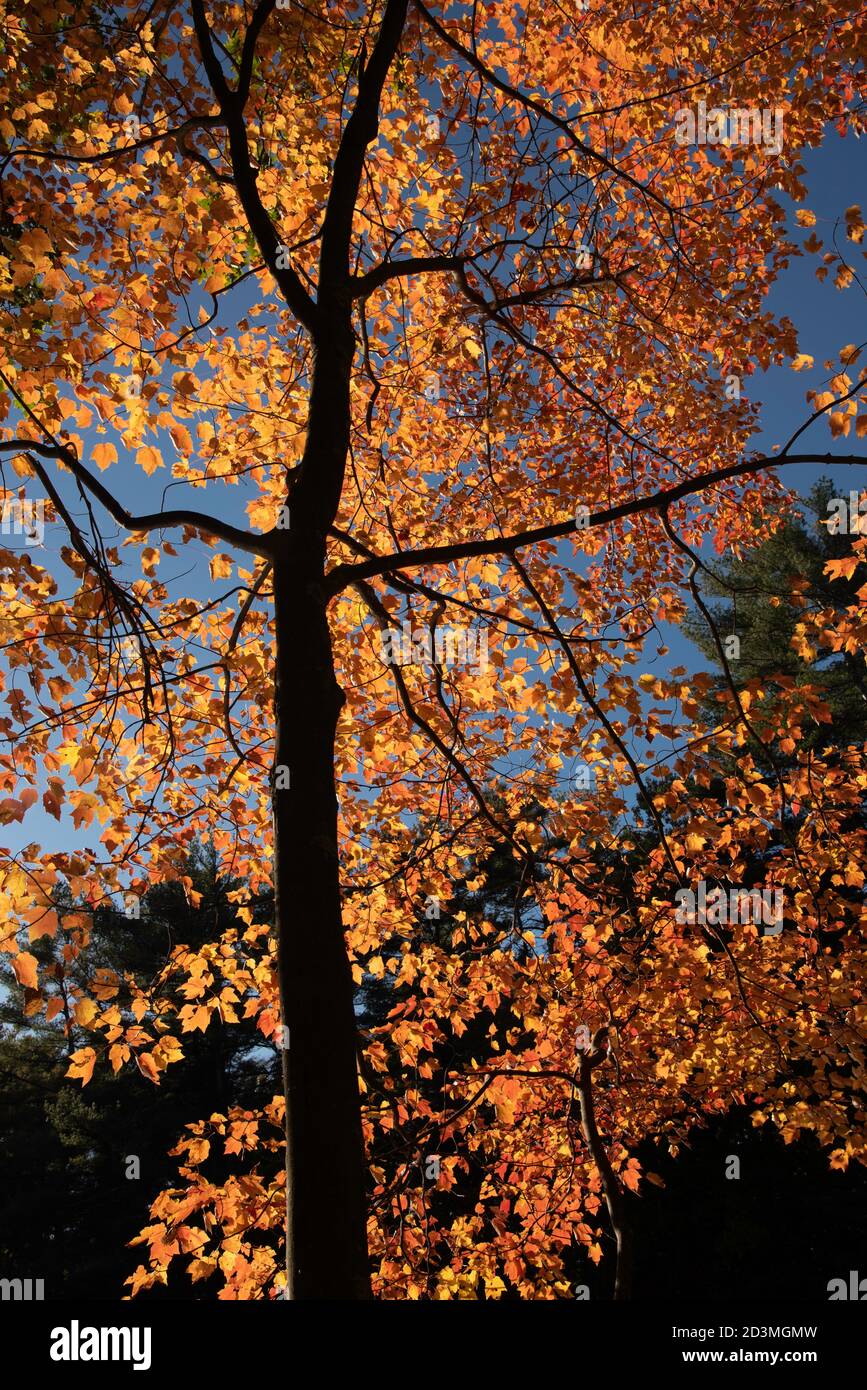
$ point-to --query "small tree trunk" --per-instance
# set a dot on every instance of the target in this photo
(326, 1247)
(614, 1196)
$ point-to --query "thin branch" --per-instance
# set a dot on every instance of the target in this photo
(531, 104)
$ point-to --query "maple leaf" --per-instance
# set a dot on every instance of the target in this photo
(842, 569)
(25, 967)
(220, 566)
(104, 455)
(43, 922)
(147, 1066)
(81, 1065)
(854, 223)
(85, 1012)
(149, 458)
(201, 1268)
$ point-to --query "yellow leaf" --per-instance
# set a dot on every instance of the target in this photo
(854, 223)
(506, 1111)
(839, 423)
(85, 1012)
(221, 567)
(139, 1008)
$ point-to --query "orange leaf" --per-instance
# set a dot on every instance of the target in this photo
(181, 438)
(43, 922)
(221, 567)
(25, 967)
(842, 569)
(147, 1067)
(81, 1065)
(104, 455)
(149, 458)
(150, 558)
(85, 1012)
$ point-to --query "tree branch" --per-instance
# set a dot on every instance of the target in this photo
(103, 156)
(149, 521)
(364, 285)
(361, 128)
(248, 54)
(343, 574)
(232, 109)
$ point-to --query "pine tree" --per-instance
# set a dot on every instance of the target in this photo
(761, 599)
(90, 1161)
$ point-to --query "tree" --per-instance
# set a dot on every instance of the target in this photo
(355, 248)
(766, 593)
(90, 1161)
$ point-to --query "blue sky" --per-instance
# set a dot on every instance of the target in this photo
(827, 319)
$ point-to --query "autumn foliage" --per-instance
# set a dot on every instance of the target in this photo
(432, 294)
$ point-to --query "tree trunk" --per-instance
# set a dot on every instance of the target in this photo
(326, 1247)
